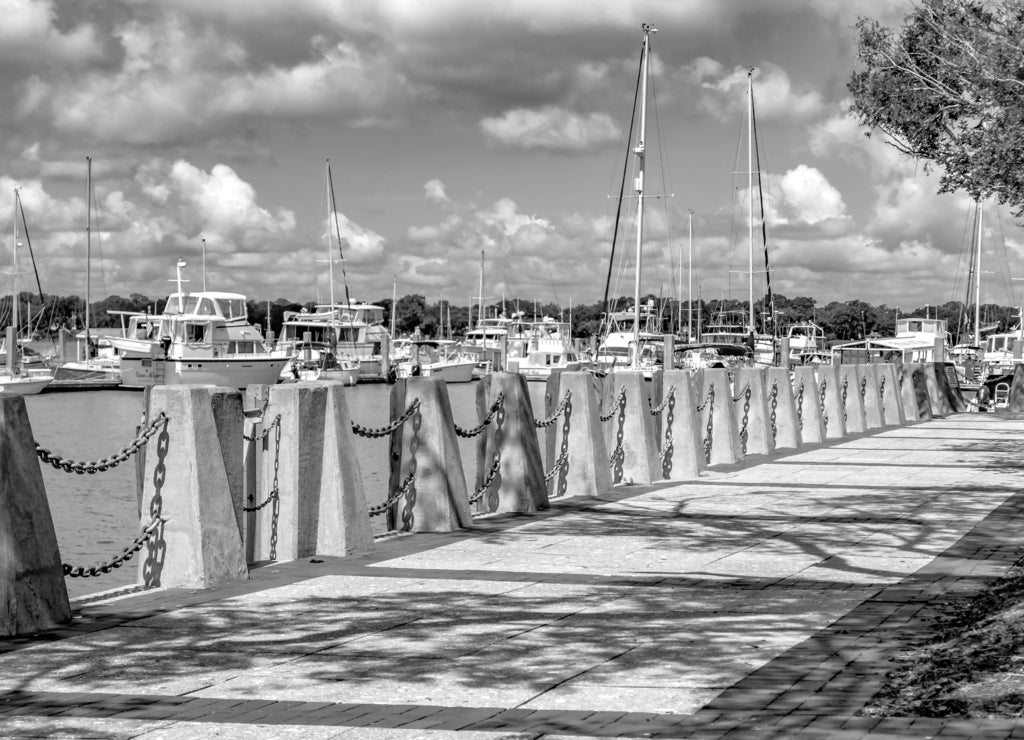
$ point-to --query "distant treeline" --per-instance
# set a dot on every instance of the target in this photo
(844, 321)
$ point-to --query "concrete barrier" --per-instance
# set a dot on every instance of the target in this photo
(629, 433)
(682, 455)
(194, 480)
(33, 595)
(511, 435)
(782, 409)
(429, 451)
(1016, 400)
(807, 397)
(921, 396)
(851, 398)
(835, 409)
(578, 439)
(719, 416)
(751, 400)
(892, 403)
(953, 399)
(321, 506)
(871, 380)
(940, 405)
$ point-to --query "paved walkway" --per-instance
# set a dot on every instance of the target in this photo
(761, 601)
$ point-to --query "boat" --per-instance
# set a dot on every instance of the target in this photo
(438, 358)
(916, 340)
(354, 331)
(201, 338)
(622, 337)
(96, 363)
(15, 376)
(548, 349)
(807, 344)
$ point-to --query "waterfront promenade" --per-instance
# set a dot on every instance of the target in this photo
(761, 601)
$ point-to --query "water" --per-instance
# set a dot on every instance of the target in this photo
(95, 516)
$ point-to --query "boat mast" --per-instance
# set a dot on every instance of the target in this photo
(750, 192)
(480, 315)
(88, 248)
(204, 264)
(330, 244)
(638, 185)
(689, 287)
(394, 293)
(977, 284)
(13, 351)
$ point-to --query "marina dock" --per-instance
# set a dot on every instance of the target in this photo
(762, 599)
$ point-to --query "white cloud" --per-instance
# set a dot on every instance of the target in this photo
(434, 191)
(551, 128)
(724, 93)
(809, 196)
(29, 34)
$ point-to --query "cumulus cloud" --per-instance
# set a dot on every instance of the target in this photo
(434, 191)
(551, 128)
(809, 196)
(29, 34)
(723, 92)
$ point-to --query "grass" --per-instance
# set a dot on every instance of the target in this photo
(971, 666)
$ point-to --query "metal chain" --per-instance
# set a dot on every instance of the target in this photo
(664, 402)
(900, 379)
(392, 427)
(499, 401)
(618, 405)
(265, 433)
(824, 415)
(557, 466)
(70, 466)
(118, 560)
(275, 491)
(479, 493)
(846, 383)
(710, 403)
(881, 397)
(774, 405)
(800, 405)
(540, 424)
(863, 388)
(745, 391)
(744, 430)
(394, 497)
(707, 399)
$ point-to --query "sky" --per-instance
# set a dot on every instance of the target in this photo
(453, 128)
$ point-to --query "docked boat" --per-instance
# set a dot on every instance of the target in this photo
(436, 358)
(352, 331)
(201, 338)
(807, 344)
(548, 349)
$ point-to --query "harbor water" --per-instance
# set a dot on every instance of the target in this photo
(95, 516)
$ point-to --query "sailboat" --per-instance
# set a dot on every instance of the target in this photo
(14, 376)
(630, 339)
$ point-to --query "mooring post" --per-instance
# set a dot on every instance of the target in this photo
(509, 441)
(850, 390)
(939, 403)
(718, 418)
(808, 400)
(33, 595)
(751, 402)
(830, 381)
(782, 409)
(581, 465)
(629, 431)
(682, 439)
(891, 397)
(254, 405)
(194, 484)
(870, 376)
(922, 396)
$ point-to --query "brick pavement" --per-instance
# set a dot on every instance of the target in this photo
(760, 601)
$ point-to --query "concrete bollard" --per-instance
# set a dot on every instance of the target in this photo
(939, 403)
(890, 397)
(782, 409)
(194, 480)
(682, 453)
(850, 389)
(511, 438)
(870, 380)
(751, 401)
(908, 396)
(33, 595)
(953, 399)
(629, 433)
(718, 415)
(429, 451)
(807, 397)
(320, 508)
(835, 409)
(578, 438)
(1016, 400)
(921, 397)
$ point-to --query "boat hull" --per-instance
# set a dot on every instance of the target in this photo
(23, 386)
(222, 372)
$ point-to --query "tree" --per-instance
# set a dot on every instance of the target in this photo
(948, 89)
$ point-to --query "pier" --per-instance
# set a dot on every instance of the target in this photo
(677, 590)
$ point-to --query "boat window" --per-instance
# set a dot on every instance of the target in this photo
(914, 325)
(195, 332)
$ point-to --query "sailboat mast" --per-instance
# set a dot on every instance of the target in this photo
(330, 244)
(689, 286)
(480, 315)
(750, 192)
(88, 248)
(15, 308)
(977, 284)
(638, 185)
(394, 294)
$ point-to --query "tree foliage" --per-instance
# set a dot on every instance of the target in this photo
(948, 88)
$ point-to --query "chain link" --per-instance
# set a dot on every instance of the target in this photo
(557, 466)
(707, 399)
(70, 466)
(479, 493)
(392, 427)
(744, 426)
(275, 492)
(499, 401)
(824, 415)
(118, 560)
(540, 424)
(881, 397)
(265, 433)
(846, 383)
(394, 498)
(664, 402)
(800, 405)
(710, 403)
(774, 404)
(863, 388)
(619, 403)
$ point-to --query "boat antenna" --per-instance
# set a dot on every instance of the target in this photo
(337, 229)
(622, 191)
(204, 264)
